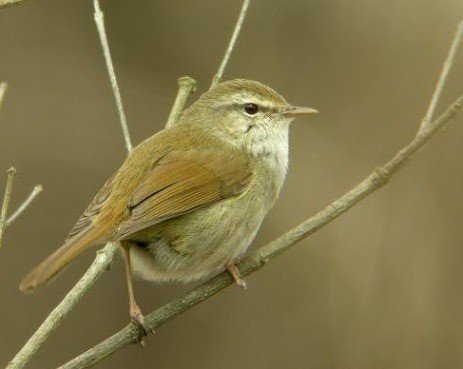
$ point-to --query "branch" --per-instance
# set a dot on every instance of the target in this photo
(6, 200)
(255, 261)
(6, 3)
(99, 21)
(443, 76)
(26, 203)
(231, 45)
(101, 263)
(3, 88)
(186, 86)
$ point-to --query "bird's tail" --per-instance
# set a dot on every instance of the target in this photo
(54, 263)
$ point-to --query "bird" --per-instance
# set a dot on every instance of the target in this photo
(188, 201)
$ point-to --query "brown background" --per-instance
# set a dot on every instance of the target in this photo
(378, 288)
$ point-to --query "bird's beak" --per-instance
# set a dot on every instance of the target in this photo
(294, 111)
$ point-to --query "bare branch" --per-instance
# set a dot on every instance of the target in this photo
(231, 45)
(6, 200)
(6, 3)
(443, 76)
(26, 203)
(3, 88)
(99, 20)
(99, 265)
(186, 86)
(258, 259)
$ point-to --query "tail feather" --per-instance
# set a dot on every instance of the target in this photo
(54, 263)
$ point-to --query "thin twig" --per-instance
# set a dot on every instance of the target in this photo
(6, 3)
(11, 174)
(231, 45)
(186, 86)
(443, 76)
(26, 203)
(99, 265)
(3, 88)
(99, 21)
(258, 259)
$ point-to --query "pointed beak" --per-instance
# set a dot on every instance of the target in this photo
(294, 111)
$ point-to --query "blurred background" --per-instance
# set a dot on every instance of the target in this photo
(378, 288)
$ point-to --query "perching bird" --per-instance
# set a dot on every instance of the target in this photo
(188, 201)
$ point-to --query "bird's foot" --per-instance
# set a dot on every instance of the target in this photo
(235, 273)
(138, 319)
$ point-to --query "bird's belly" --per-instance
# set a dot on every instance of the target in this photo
(199, 244)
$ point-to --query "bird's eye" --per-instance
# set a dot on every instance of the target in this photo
(251, 108)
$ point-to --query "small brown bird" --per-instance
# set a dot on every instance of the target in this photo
(188, 201)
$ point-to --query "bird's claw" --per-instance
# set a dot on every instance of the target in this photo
(138, 319)
(235, 273)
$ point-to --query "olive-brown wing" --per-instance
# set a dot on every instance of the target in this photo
(92, 210)
(179, 184)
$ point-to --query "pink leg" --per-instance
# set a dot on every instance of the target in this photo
(235, 273)
(135, 312)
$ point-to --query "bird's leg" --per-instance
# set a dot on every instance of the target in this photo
(235, 273)
(135, 312)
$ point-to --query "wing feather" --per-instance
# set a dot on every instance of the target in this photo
(93, 209)
(182, 183)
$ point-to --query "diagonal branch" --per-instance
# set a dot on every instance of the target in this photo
(380, 176)
(62, 310)
(231, 45)
(443, 76)
(6, 3)
(26, 203)
(99, 21)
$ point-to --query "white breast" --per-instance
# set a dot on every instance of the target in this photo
(271, 146)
